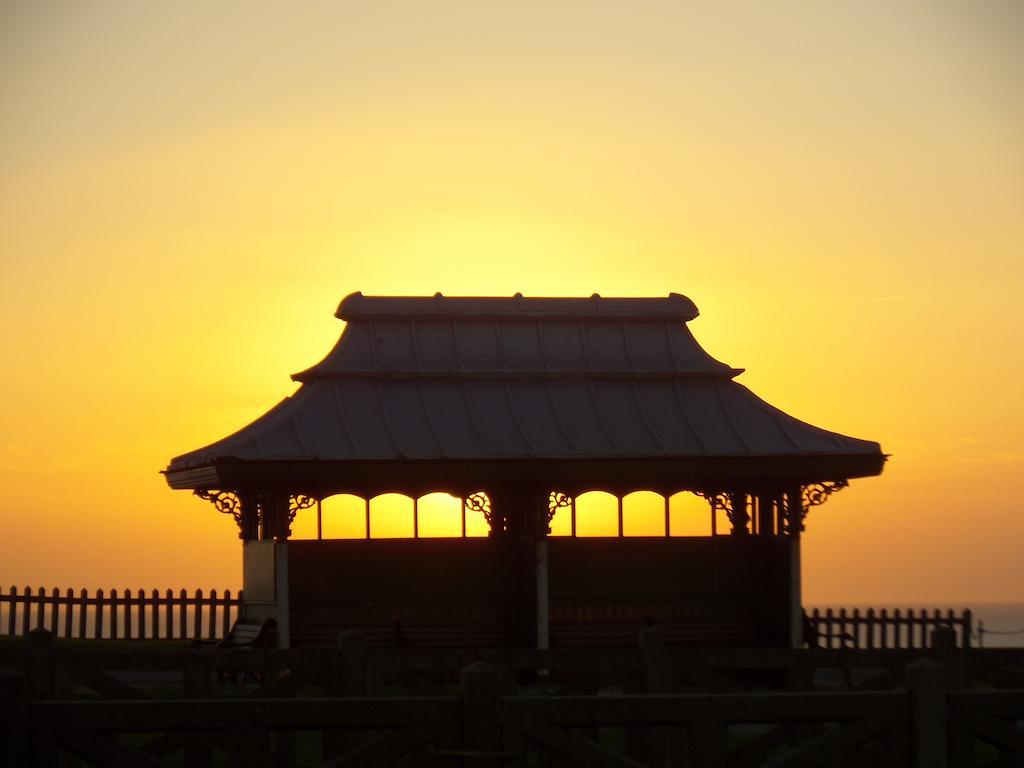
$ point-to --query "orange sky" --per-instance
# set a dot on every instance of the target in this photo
(188, 190)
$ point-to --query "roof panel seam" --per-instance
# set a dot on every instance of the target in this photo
(298, 436)
(457, 344)
(558, 417)
(625, 343)
(729, 419)
(430, 420)
(415, 347)
(473, 420)
(386, 418)
(643, 417)
(785, 430)
(515, 420)
(344, 422)
(686, 416)
(540, 346)
(586, 345)
(600, 419)
(371, 332)
(500, 346)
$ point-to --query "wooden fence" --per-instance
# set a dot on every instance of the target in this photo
(137, 615)
(119, 616)
(885, 629)
(932, 715)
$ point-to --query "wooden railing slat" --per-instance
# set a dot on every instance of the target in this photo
(211, 628)
(12, 610)
(26, 609)
(226, 615)
(69, 612)
(41, 608)
(128, 615)
(197, 616)
(82, 609)
(97, 629)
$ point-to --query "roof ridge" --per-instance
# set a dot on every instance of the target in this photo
(675, 306)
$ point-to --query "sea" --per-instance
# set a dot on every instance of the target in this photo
(996, 625)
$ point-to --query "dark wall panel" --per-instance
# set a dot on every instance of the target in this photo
(602, 591)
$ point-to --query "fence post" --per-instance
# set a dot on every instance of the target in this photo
(40, 664)
(274, 685)
(196, 684)
(14, 721)
(945, 652)
(663, 745)
(481, 714)
(352, 646)
(926, 681)
(40, 648)
(652, 650)
(352, 678)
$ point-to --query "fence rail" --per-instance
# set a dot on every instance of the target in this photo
(883, 629)
(126, 615)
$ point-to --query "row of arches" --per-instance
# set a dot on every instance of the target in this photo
(594, 513)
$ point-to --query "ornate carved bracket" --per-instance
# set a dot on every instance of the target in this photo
(296, 502)
(813, 495)
(556, 501)
(817, 493)
(736, 513)
(481, 502)
(225, 502)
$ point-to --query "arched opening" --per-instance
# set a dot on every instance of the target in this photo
(440, 515)
(597, 514)
(391, 516)
(643, 514)
(343, 516)
(690, 515)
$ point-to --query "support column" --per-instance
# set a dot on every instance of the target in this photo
(739, 517)
(249, 521)
(794, 517)
(765, 514)
(517, 544)
(265, 562)
(543, 604)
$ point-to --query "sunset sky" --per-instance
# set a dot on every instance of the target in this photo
(188, 189)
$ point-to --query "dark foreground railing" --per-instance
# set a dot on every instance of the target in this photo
(650, 706)
(119, 616)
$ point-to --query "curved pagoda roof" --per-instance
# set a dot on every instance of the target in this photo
(452, 390)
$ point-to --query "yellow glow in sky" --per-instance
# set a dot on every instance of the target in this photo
(189, 189)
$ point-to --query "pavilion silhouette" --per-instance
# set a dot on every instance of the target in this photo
(517, 406)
